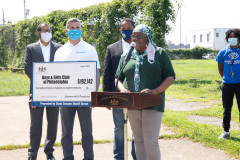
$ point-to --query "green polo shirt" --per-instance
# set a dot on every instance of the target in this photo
(151, 75)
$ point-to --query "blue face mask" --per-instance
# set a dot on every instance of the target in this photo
(126, 34)
(232, 41)
(74, 34)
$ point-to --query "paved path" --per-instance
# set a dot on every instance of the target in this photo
(14, 124)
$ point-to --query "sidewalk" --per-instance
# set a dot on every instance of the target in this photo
(15, 121)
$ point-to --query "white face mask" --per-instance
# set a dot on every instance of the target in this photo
(150, 52)
(46, 37)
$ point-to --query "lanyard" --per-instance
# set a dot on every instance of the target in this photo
(232, 61)
(231, 57)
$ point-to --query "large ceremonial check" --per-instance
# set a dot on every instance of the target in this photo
(64, 84)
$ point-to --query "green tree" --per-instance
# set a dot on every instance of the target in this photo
(157, 15)
(100, 24)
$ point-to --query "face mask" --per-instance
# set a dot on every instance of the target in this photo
(232, 41)
(74, 34)
(46, 37)
(126, 34)
(150, 52)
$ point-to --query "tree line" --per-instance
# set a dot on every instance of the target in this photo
(100, 24)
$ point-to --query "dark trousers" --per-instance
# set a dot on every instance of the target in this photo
(36, 115)
(85, 119)
(228, 91)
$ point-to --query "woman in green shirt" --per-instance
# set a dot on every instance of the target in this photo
(149, 70)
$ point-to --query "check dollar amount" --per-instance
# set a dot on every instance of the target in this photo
(85, 81)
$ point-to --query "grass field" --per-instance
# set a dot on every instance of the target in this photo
(13, 84)
(207, 88)
(16, 84)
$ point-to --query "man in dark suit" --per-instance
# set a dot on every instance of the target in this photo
(41, 51)
(113, 55)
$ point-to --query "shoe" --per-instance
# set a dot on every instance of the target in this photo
(224, 135)
(50, 157)
(32, 158)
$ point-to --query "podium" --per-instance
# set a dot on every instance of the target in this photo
(134, 100)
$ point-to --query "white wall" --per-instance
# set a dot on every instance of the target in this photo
(213, 43)
(220, 42)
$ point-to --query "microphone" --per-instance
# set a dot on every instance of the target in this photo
(128, 56)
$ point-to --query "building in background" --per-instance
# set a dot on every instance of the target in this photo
(213, 38)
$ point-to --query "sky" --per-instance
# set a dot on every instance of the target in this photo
(14, 9)
(195, 14)
(204, 14)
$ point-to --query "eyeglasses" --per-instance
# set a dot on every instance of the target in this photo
(138, 36)
(46, 30)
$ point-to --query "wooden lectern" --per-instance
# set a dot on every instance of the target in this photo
(134, 100)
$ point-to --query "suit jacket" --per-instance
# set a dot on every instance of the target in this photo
(113, 55)
(34, 54)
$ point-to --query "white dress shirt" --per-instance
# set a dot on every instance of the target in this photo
(79, 52)
(125, 47)
(46, 51)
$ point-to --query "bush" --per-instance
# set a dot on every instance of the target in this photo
(195, 53)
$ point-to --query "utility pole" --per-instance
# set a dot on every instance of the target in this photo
(180, 26)
(186, 43)
(26, 11)
(3, 38)
(25, 15)
(3, 17)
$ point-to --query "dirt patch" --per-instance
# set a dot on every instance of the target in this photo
(179, 105)
(211, 121)
(165, 130)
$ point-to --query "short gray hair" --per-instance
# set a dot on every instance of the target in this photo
(72, 20)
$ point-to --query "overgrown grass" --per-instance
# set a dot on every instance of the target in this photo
(13, 84)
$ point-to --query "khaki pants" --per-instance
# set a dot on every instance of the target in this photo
(146, 125)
